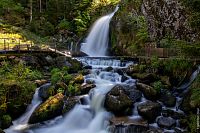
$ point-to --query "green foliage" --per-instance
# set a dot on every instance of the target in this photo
(158, 86)
(73, 89)
(64, 24)
(58, 75)
(155, 63)
(192, 122)
(6, 121)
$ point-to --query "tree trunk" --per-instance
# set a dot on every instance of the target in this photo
(31, 11)
(40, 6)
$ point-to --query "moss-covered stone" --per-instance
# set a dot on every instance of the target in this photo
(6, 121)
(49, 109)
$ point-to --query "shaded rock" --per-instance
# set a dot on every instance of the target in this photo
(86, 71)
(166, 122)
(132, 69)
(1, 131)
(85, 88)
(133, 94)
(108, 69)
(149, 110)
(51, 108)
(128, 125)
(185, 104)
(167, 98)
(50, 60)
(75, 65)
(40, 82)
(124, 78)
(165, 81)
(148, 91)
(146, 78)
(118, 102)
(90, 81)
(69, 103)
(6, 121)
(46, 91)
(61, 61)
(87, 67)
(173, 114)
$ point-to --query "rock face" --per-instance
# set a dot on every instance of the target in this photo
(85, 88)
(46, 91)
(128, 125)
(69, 103)
(148, 91)
(166, 122)
(149, 110)
(118, 102)
(48, 110)
(167, 99)
(166, 17)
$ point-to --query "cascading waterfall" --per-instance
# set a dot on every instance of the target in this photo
(96, 43)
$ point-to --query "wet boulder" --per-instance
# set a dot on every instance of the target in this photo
(85, 88)
(149, 92)
(51, 108)
(166, 122)
(167, 98)
(149, 110)
(146, 78)
(128, 125)
(69, 103)
(108, 69)
(118, 102)
(133, 94)
(5, 121)
(46, 91)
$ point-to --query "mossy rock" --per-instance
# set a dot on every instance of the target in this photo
(6, 121)
(146, 78)
(18, 95)
(49, 109)
(75, 65)
(78, 79)
(1, 131)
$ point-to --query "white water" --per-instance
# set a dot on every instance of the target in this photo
(96, 43)
(22, 122)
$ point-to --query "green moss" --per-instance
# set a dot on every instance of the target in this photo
(6, 121)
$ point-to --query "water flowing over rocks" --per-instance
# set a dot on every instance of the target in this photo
(118, 102)
(149, 110)
(167, 98)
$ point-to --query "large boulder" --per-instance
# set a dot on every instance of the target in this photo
(149, 92)
(167, 98)
(149, 110)
(69, 103)
(146, 78)
(85, 88)
(5, 121)
(133, 94)
(118, 102)
(166, 122)
(46, 91)
(61, 61)
(48, 110)
(77, 79)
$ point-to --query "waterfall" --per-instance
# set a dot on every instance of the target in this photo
(96, 43)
